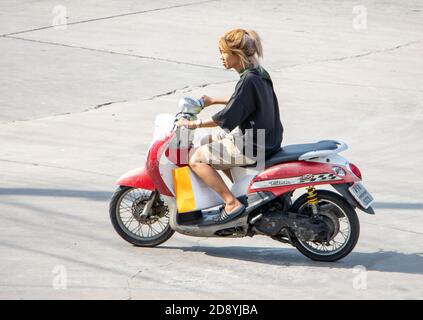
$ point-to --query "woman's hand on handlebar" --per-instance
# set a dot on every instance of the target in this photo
(185, 123)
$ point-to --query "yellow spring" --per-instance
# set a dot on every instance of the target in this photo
(311, 195)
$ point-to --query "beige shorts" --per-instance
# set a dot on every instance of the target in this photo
(222, 153)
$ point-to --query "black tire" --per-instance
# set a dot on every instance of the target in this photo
(350, 214)
(124, 232)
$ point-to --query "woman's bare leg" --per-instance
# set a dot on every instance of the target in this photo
(213, 179)
(209, 139)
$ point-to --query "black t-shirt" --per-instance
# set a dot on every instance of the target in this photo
(254, 106)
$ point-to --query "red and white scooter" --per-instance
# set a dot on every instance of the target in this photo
(321, 224)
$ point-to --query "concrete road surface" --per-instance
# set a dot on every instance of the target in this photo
(81, 83)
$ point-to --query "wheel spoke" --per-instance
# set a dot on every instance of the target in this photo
(161, 224)
(129, 222)
(136, 227)
(344, 235)
(137, 230)
(155, 231)
(126, 205)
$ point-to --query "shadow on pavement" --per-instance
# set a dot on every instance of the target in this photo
(66, 193)
(383, 261)
(398, 205)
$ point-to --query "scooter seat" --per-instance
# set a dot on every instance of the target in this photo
(295, 151)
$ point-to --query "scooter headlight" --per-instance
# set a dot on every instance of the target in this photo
(191, 105)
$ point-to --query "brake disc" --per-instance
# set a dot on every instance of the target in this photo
(137, 208)
(158, 210)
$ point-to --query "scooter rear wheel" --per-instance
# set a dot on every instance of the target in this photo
(348, 228)
(126, 206)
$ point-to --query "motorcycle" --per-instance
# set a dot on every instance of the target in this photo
(322, 224)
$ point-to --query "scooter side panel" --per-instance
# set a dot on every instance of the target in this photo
(242, 179)
(288, 176)
(153, 165)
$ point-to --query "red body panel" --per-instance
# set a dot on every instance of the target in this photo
(153, 158)
(298, 169)
(179, 157)
(137, 178)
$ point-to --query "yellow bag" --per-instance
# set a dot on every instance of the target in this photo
(185, 200)
(191, 193)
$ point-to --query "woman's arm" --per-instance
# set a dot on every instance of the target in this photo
(208, 101)
(208, 123)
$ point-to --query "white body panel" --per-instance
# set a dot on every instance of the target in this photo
(333, 159)
(342, 146)
(242, 178)
(163, 124)
(205, 197)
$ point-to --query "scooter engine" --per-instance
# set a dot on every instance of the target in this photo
(275, 218)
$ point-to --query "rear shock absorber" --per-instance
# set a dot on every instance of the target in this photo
(312, 199)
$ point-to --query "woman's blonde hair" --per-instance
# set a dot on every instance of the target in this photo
(246, 44)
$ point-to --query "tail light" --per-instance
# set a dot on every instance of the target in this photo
(354, 169)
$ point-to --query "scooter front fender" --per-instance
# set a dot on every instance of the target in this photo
(137, 178)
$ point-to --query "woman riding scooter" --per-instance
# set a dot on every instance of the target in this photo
(253, 106)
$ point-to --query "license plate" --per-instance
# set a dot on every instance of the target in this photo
(361, 194)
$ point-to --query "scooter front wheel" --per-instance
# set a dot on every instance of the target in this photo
(126, 207)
